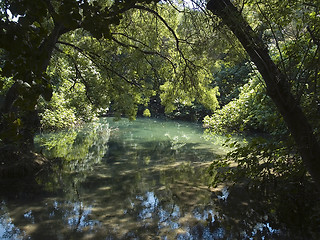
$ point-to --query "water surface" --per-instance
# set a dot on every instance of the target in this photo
(144, 179)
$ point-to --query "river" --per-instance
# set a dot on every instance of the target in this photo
(145, 179)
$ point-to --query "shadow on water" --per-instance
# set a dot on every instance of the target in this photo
(133, 180)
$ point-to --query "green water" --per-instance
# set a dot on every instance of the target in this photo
(145, 179)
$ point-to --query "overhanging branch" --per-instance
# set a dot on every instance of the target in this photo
(96, 60)
(141, 50)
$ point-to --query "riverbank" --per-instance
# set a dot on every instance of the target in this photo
(18, 164)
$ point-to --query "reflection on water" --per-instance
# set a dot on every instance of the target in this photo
(7, 229)
(144, 180)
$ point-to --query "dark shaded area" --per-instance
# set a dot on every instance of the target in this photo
(20, 172)
(286, 213)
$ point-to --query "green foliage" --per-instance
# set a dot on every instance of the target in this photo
(195, 112)
(230, 77)
(174, 94)
(146, 113)
(291, 30)
(286, 27)
(143, 63)
(270, 167)
(75, 144)
(56, 115)
(295, 50)
(261, 163)
(5, 84)
(78, 149)
(30, 31)
(274, 176)
(251, 111)
(109, 55)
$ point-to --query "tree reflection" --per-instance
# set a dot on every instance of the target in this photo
(79, 151)
(138, 185)
(7, 228)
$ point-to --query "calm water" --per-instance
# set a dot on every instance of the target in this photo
(140, 180)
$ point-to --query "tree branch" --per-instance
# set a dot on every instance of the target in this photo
(276, 40)
(167, 26)
(95, 58)
(313, 37)
(189, 65)
(79, 75)
(139, 49)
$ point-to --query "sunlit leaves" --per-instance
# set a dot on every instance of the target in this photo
(30, 31)
(146, 113)
(57, 115)
(252, 110)
(142, 60)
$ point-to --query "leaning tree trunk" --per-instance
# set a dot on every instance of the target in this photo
(278, 87)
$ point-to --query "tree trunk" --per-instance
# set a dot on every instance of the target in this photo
(278, 87)
(12, 112)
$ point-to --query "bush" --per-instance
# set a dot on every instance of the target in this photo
(55, 115)
(251, 111)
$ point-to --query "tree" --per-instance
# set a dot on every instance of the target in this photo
(40, 31)
(278, 87)
(29, 32)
